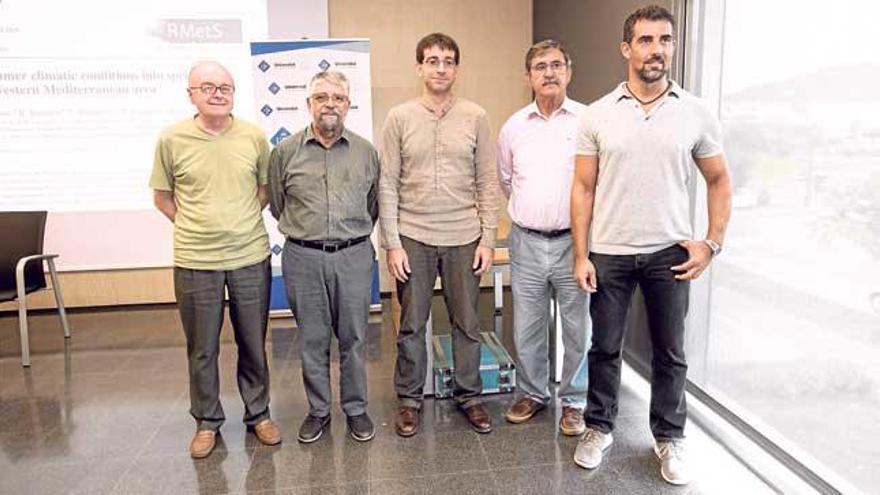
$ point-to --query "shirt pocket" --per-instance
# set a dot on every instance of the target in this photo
(351, 194)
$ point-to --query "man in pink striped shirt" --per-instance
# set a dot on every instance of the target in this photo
(536, 149)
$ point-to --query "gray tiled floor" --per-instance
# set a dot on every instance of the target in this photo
(106, 412)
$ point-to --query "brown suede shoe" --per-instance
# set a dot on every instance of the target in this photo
(408, 421)
(267, 432)
(202, 444)
(572, 422)
(479, 419)
(523, 410)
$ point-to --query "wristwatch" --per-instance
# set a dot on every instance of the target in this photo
(714, 246)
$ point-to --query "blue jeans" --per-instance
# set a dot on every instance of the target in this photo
(539, 264)
(666, 301)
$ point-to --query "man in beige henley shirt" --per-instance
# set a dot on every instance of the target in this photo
(438, 202)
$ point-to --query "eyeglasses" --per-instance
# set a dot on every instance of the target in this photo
(436, 63)
(210, 89)
(555, 66)
(324, 98)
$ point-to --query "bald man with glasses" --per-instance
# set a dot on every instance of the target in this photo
(209, 179)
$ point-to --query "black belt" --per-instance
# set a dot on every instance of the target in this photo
(329, 246)
(549, 234)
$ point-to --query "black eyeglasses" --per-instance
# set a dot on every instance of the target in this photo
(210, 89)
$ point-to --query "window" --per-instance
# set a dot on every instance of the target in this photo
(792, 332)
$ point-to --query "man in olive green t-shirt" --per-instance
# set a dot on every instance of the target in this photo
(209, 178)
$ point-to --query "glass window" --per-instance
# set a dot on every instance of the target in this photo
(794, 308)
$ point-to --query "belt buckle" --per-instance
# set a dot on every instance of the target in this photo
(330, 248)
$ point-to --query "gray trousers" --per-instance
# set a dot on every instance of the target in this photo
(537, 265)
(461, 290)
(329, 294)
(200, 300)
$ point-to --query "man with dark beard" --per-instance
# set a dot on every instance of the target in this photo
(634, 171)
(323, 184)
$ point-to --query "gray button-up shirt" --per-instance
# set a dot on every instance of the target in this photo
(318, 193)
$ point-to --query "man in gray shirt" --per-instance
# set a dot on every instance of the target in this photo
(634, 169)
(439, 198)
(323, 184)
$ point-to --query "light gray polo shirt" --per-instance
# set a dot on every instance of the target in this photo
(646, 167)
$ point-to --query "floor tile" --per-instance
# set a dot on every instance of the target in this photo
(107, 412)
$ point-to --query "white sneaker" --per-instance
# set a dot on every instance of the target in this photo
(591, 447)
(673, 461)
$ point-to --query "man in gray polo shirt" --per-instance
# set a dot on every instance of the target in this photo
(633, 173)
(323, 184)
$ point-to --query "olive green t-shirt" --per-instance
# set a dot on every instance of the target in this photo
(219, 224)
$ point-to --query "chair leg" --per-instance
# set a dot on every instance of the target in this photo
(498, 290)
(22, 322)
(58, 300)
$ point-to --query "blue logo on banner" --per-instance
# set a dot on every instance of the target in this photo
(281, 134)
(266, 110)
(324, 65)
(276, 249)
(264, 66)
(274, 88)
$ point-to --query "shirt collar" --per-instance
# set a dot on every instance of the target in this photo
(195, 123)
(620, 93)
(446, 106)
(566, 107)
(311, 137)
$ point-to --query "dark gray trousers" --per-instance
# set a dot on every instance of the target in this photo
(200, 300)
(461, 290)
(329, 294)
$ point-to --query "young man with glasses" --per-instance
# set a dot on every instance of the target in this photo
(209, 178)
(323, 184)
(639, 150)
(438, 200)
(535, 157)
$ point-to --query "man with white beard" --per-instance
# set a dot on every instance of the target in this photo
(323, 184)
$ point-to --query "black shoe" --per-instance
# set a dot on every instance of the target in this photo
(361, 428)
(312, 428)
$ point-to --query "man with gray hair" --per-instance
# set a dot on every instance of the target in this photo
(536, 166)
(209, 178)
(323, 184)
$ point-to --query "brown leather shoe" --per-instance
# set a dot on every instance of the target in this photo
(572, 422)
(267, 432)
(202, 444)
(522, 410)
(408, 421)
(479, 419)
